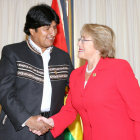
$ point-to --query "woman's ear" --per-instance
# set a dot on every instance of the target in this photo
(98, 52)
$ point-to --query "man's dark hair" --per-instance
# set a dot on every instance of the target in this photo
(40, 15)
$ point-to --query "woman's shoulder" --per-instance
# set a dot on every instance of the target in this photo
(118, 63)
(78, 70)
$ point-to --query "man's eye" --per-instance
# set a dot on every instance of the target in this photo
(55, 27)
(46, 28)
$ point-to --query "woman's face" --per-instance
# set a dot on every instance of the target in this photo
(86, 48)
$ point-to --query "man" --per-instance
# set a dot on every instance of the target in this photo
(33, 76)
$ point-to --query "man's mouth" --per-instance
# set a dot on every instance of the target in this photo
(51, 38)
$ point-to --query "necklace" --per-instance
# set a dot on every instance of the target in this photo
(89, 71)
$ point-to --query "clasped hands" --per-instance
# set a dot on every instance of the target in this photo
(39, 125)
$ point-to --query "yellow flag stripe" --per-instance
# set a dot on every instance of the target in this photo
(76, 127)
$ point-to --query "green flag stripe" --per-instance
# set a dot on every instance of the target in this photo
(68, 135)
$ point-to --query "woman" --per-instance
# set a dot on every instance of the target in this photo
(104, 91)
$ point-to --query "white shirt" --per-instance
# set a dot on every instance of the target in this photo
(47, 88)
(85, 84)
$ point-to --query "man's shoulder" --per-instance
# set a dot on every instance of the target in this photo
(59, 51)
(60, 56)
(16, 45)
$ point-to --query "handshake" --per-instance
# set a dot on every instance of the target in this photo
(39, 125)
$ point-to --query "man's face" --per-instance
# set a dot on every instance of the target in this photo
(44, 36)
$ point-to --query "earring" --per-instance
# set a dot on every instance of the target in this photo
(97, 52)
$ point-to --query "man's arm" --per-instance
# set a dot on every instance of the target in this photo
(12, 106)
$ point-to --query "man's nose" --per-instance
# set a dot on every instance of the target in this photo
(53, 31)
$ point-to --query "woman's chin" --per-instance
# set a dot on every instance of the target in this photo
(81, 56)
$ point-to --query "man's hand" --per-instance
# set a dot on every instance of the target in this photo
(49, 121)
(37, 126)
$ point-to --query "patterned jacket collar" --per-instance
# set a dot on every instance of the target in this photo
(33, 47)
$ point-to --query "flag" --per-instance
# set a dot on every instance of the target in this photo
(64, 41)
(60, 40)
(74, 131)
(71, 29)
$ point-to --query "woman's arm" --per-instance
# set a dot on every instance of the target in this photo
(130, 91)
(64, 118)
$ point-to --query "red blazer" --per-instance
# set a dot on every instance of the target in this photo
(109, 105)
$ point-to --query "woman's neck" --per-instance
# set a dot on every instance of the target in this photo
(93, 62)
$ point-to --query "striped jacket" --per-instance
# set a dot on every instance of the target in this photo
(21, 87)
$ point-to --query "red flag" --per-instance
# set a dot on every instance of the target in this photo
(60, 40)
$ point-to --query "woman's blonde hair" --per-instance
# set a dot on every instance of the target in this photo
(103, 38)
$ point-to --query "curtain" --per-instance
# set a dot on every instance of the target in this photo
(123, 16)
(12, 19)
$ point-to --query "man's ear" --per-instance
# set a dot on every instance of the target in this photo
(32, 31)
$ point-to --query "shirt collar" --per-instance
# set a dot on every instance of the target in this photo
(36, 48)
